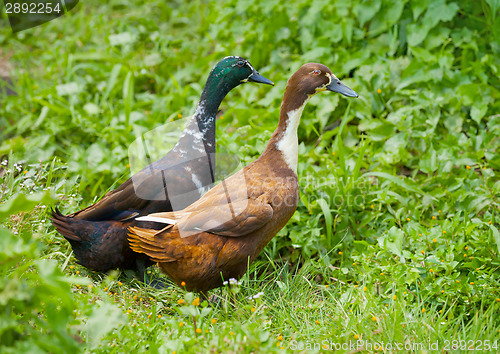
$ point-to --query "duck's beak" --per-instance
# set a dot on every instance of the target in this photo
(337, 86)
(256, 77)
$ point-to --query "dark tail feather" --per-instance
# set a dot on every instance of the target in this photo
(62, 225)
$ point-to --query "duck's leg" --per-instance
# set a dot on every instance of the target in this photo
(155, 283)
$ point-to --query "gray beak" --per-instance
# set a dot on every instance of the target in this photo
(337, 86)
(256, 77)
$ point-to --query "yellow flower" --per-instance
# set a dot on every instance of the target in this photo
(71, 267)
(340, 252)
(90, 286)
(135, 297)
(444, 231)
(120, 283)
(431, 270)
(434, 240)
(159, 316)
(354, 264)
(253, 309)
(280, 337)
(381, 274)
(221, 117)
(77, 272)
(374, 318)
(356, 336)
(467, 167)
(129, 311)
(214, 320)
(419, 234)
(458, 281)
(465, 255)
(196, 302)
(379, 91)
(365, 288)
(198, 330)
(498, 299)
(466, 248)
(356, 286)
(433, 217)
(394, 297)
(180, 301)
(183, 283)
(181, 324)
(408, 219)
(422, 252)
(442, 291)
(440, 311)
(471, 283)
(231, 333)
(423, 310)
(179, 115)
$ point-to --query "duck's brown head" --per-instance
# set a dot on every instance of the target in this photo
(312, 78)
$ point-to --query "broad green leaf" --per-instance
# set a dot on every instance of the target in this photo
(398, 181)
(22, 203)
(102, 321)
(496, 236)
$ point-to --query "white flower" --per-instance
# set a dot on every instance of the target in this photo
(5, 162)
(232, 281)
(256, 296)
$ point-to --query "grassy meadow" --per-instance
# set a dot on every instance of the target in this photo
(395, 245)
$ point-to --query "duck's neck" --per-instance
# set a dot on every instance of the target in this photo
(284, 139)
(201, 128)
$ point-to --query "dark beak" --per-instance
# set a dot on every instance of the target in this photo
(256, 77)
(337, 86)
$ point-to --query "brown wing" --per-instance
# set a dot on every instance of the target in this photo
(159, 246)
(225, 210)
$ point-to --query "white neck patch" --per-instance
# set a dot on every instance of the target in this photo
(289, 143)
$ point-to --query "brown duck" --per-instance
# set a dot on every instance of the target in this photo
(217, 237)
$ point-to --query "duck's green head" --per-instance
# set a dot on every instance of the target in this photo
(233, 71)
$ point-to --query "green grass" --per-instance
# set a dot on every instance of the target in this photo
(396, 238)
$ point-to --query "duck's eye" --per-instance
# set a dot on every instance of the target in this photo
(240, 63)
(316, 72)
